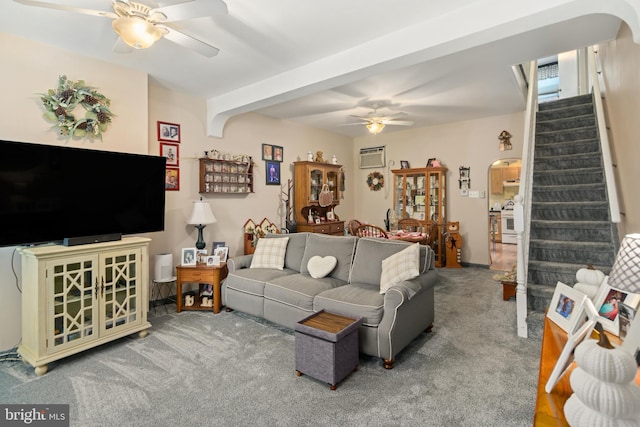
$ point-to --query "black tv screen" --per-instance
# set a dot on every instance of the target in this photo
(50, 193)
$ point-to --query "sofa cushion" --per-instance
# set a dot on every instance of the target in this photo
(298, 290)
(295, 249)
(251, 280)
(321, 266)
(341, 247)
(270, 253)
(355, 299)
(367, 262)
(400, 266)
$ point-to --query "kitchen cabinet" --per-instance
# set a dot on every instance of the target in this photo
(309, 179)
(499, 175)
(420, 193)
(78, 297)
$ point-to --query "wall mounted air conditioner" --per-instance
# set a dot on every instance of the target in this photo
(372, 157)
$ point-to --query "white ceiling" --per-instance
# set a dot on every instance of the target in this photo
(272, 54)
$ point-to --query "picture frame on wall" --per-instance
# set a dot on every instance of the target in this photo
(188, 257)
(267, 152)
(589, 317)
(169, 132)
(566, 306)
(278, 153)
(172, 179)
(273, 173)
(170, 152)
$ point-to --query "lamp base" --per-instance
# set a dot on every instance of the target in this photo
(200, 244)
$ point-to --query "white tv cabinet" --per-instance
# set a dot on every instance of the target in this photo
(78, 297)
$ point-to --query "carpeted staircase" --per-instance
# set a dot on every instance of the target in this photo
(570, 221)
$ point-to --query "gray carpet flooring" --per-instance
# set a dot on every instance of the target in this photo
(196, 368)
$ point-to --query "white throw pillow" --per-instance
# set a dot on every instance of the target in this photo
(404, 265)
(270, 253)
(321, 266)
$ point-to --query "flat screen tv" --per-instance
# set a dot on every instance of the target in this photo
(51, 193)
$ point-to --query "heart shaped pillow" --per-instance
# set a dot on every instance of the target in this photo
(321, 266)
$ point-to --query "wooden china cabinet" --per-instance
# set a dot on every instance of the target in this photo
(420, 193)
(309, 178)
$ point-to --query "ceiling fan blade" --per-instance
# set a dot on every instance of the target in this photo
(121, 47)
(351, 124)
(364, 119)
(189, 42)
(397, 122)
(192, 9)
(67, 8)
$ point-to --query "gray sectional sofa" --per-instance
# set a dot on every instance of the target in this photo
(390, 320)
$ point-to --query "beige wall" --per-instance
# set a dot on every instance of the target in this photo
(471, 143)
(30, 68)
(243, 134)
(621, 68)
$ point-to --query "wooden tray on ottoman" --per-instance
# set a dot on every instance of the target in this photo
(327, 346)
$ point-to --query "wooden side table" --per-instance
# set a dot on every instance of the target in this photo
(201, 274)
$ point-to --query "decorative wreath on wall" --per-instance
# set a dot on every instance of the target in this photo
(60, 104)
(375, 181)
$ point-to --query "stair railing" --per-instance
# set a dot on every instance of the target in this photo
(596, 75)
(522, 208)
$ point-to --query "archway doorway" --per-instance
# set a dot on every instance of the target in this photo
(504, 185)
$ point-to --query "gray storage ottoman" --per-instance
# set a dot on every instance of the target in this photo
(327, 346)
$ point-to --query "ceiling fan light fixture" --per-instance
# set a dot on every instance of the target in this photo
(137, 32)
(375, 127)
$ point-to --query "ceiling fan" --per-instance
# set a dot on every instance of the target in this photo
(140, 25)
(375, 122)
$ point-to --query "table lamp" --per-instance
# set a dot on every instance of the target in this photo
(200, 217)
(625, 273)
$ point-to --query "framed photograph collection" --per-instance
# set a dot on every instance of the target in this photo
(273, 155)
(169, 137)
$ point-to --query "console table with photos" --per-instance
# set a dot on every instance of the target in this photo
(202, 274)
(549, 409)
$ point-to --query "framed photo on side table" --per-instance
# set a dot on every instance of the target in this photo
(566, 306)
(189, 257)
(169, 132)
(607, 302)
(222, 252)
(575, 336)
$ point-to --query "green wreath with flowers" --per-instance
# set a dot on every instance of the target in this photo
(375, 181)
(60, 104)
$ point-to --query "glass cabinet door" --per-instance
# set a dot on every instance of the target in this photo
(398, 196)
(332, 182)
(119, 288)
(73, 302)
(315, 183)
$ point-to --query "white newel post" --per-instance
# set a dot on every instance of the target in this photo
(521, 289)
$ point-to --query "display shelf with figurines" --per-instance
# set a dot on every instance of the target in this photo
(226, 176)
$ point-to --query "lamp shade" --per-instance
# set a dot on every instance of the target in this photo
(625, 273)
(137, 32)
(201, 214)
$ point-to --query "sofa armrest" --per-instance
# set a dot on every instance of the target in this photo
(240, 262)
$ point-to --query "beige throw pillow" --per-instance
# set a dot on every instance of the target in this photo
(401, 266)
(270, 253)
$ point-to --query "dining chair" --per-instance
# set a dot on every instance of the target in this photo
(410, 224)
(353, 225)
(369, 230)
